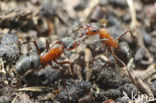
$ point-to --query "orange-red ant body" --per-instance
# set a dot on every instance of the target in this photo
(110, 41)
(51, 54)
(54, 53)
(104, 35)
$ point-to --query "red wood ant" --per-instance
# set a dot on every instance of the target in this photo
(105, 37)
(52, 54)
(111, 43)
(36, 60)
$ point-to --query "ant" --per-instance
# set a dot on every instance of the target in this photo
(36, 60)
(51, 54)
(111, 43)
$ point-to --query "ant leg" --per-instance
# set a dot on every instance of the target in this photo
(64, 83)
(101, 40)
(47, 45)
(104, 39)
(50, 26)
(71, 44)
(96, 50)
(54, 67)
(28, 72)
(62, 74)
(117, 38)
(99, 71)
(38, 51)
(77, 41)
(116, 57)
(66, 62)
(100, 46)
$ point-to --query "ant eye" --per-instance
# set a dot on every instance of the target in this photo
(94, 30)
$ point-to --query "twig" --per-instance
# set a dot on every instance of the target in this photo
(138, 82)
(88, 58)
(15, 13)
(88, 10)
(141, 44)
(146, 74)
(78, 72)
(133, 13)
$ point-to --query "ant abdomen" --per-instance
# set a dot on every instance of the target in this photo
(123, 52)
(27, 61)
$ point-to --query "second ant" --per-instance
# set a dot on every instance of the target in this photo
(111, 43)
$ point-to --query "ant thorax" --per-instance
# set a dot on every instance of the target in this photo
(53, 47)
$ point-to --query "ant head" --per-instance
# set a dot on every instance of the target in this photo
(92, 30)
(95, 30)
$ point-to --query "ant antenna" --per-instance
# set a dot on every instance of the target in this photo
(124, 33)
(47, 45)
(38, 51)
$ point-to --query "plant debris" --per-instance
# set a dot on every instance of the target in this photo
(86, 51)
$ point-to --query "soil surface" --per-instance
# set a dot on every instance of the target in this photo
(64, 51)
